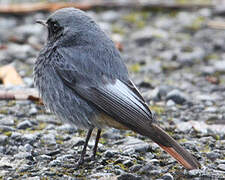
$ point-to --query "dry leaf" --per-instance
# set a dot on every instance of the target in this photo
(9, 76)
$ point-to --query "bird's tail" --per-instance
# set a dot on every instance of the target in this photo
(172, 147)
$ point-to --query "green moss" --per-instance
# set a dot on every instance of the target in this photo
(102, 140)
(122, 166)
(3, 111)
(8, 133)
(137, 18)
(206, 149)
(212, 56)
(183, 140)
(197, 23)
(117, 29)
(11, 103)
(135, 68)
(216, 137)
(158, 109)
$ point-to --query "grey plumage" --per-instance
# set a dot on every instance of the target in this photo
(82, 79)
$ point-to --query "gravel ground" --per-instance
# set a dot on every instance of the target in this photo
(177, 62)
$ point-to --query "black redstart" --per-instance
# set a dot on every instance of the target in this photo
(82, 79)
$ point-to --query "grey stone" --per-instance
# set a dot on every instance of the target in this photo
(55, 163)
(29, 82)
(30, 138)
(3, 139)
(128, 177)
(110, 154)
(128, 163)
(110, 16)
(194, 172)
(170, 103)
(7, 120)
(28, 148)
(167, 176)
(49, 139)
(184, 126)
(22, 155)
(221, 167)
(211, 109)
(219, 66)
(135, 144)
(212, 155)
(45, 157)
(24, 125)
(135, 168)
(177, 96)
(4, 128)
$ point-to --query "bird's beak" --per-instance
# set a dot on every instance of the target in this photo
(43, 22)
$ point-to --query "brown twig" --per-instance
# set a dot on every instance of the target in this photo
(216, 24)
(20, 94)
(85, 5)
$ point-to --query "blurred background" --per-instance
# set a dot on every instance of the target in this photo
(174, 51)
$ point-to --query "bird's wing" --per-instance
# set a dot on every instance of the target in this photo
(117, 99)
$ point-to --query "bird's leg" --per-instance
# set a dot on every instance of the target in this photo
(96, 143)
(81, 160)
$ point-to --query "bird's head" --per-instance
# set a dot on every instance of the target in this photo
(69, 25)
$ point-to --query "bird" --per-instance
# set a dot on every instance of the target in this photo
(82, 79)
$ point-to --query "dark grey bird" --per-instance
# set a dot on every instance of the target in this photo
(82, 79)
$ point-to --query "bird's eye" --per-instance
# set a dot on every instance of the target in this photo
(54, 27)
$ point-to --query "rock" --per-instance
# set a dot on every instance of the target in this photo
(219, 66)
(77, 141)
(28, 147)
(128, 163)
(110, 154)
(4, 128)
(221, 167)
(147, 34)
(184, 126)
(170, 103)
(128, 177)
(67, 128)
(167, 176)
(134, 143)
(29, 138)
(194, 172)
(135, 168)
(212, 156)
(20, 51)
(29, 82)
(55, 162)
(3, 139)
(207, 70)
(22, 155)
(110, 16)
(7, 120)
(49, 139)
(45, 157)
(160, 92)
(211, 110)
(24, 124)
(177, 96)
